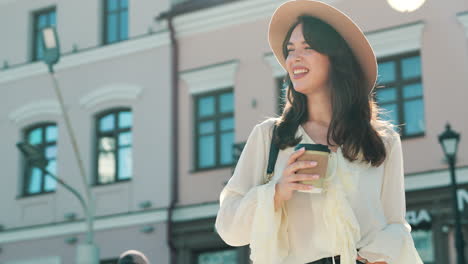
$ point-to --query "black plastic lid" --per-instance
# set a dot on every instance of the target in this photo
(316, 147)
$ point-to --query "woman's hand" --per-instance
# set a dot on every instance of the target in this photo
(288, 181)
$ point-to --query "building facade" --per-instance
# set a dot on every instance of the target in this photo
(115, 75)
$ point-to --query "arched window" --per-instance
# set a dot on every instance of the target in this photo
(44, 137)
(113, 146)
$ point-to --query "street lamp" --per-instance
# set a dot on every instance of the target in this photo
(405, 5)
(37, 159)
(86, 253)
(449, 140)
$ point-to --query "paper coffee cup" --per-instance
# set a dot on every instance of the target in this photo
(319, 153)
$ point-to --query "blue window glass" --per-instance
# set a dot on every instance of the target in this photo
(42, 19)
(51, 133)
(35, 184)
(125, 163)
(206, 127)
(107, 123)
(227, 124)
(414, 116)
(51, 183)
(412, 90)
(206, 106)
(114, 146)
(385, 95)
(214, 129)
(51, 152)
(124, 25)
(227, 142)
(125, 119)
(226, 103)
(43, 137)
(125, 139)
(112, 28)
(116, 20)
(411, 67)
(52, 18)
(406, 93)
(112, 5)
(35, 136)
(206, 154)
(387, 72)
(390, 113)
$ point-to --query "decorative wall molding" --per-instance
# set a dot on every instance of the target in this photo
(278, 71)
(40, 260)
(396, 40)
(112, 92)
(186, 213)
(86, 57)
(196, 212)
(211, 78)
(35, 109)
(434, 179)
(413, 182)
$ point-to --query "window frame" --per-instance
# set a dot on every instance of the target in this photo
(26, 167)
(105, 14)
(36, 30)
(216, 117)
(398, 84)
(115, 132)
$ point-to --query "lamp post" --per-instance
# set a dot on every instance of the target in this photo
(86, 253)
(37, 159)
(405, 6)
(449, 140)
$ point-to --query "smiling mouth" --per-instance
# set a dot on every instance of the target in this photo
(299, 73)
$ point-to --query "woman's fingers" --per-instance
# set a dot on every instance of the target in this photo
(291, 169)
(303, 177)
(299, 186)
(296, 154)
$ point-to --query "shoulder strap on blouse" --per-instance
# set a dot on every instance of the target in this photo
(272, 156)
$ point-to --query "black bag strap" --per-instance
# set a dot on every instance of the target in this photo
(272, 156)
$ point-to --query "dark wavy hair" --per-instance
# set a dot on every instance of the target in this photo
(354, 125)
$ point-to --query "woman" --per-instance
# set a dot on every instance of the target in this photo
(360, 218)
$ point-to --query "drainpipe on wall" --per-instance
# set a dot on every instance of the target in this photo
(174, 132)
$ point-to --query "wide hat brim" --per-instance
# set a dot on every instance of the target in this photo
(286, 15)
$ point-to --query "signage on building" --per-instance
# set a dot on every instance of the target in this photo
(462, 197)
(419, 219)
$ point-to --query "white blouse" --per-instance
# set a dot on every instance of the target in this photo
(362, 211)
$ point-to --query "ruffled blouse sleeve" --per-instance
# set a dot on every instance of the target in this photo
(394, 242)
(246, 214)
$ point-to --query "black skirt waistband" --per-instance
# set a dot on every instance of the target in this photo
(328, 260)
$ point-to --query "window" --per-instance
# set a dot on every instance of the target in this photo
(214, 126)
(226, 256)
(115, 20)
(44, 137)
(114, 146)
(423, 243)
(402, 96)
(281, 94)
(42, 19)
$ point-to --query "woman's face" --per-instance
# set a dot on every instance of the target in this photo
(307, 68)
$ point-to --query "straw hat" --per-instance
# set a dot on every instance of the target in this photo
(286, 15)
